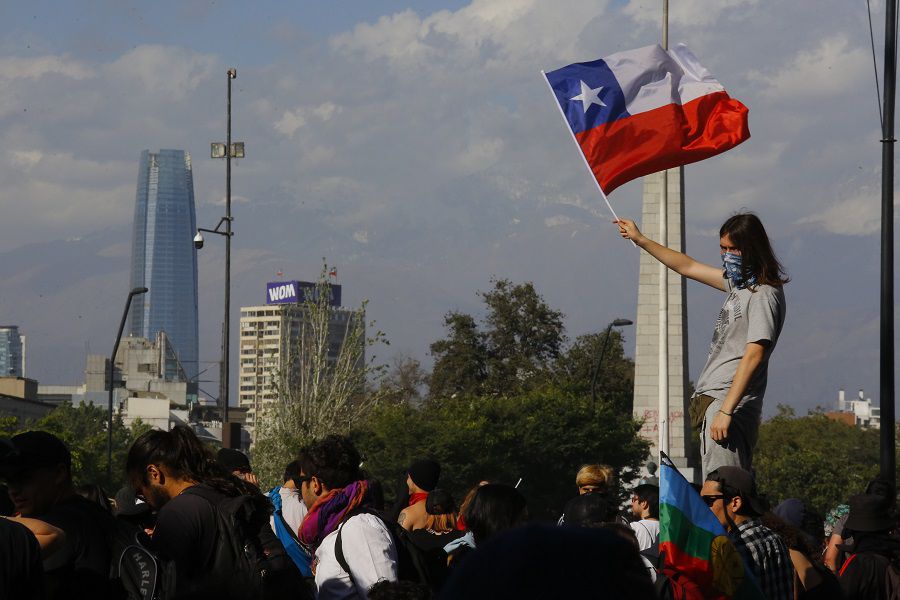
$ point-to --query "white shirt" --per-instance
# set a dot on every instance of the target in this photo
(370, 553)
(292, 509)
(647, 532)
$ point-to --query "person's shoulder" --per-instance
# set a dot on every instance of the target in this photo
(16, 534)
(76, 510)
(190, 501)
(366, 524)
(764, 290)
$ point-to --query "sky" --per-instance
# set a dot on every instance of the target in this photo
(417, 149)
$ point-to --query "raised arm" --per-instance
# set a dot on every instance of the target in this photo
(677, 261)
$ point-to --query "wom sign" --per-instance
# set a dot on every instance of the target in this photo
(295, 292)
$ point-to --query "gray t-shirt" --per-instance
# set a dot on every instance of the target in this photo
(746, 316)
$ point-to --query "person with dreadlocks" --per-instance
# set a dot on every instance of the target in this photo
(353, 546)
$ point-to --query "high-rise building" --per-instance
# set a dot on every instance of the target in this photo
(270, 335)
(163, 257)
(12, 357)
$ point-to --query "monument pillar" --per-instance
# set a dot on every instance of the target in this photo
(647, 351)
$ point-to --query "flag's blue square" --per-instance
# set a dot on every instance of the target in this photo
(588, 94)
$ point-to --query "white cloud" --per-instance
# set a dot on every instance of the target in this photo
(24, 159)
(292, 120)
(163, 70)
(480, 154)
(686, 12)
(834, 67)
(12, 68)
(857, 215)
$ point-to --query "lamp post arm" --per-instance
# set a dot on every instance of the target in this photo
(112, 370)
(597, 366)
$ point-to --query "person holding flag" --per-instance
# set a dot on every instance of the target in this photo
(727, 402)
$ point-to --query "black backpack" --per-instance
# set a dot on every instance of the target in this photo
(249, 561)
(136, 571)
(413, 563)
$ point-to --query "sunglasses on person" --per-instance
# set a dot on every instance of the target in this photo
(299, 481)
(710, 500)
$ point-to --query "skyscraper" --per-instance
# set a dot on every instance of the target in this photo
(163, 258)
(11, 359)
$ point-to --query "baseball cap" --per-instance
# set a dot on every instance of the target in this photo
(31, 450)
(740, 482)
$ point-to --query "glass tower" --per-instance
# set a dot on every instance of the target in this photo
(163, 258)
(10, 351)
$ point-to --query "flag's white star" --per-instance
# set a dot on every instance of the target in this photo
(589, 96)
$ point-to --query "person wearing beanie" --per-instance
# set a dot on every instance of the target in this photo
(421, 478)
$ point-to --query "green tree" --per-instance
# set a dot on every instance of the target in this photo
(512, 351)
(814, 458)
(524, 336)
(575, 367)
(321, 388)
(542, 436)
(460, 360)
(83, 429)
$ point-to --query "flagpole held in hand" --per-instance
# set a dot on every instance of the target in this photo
(581, 152)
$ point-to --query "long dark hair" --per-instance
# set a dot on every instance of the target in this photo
(495, 507)
(185, 457)
(758, 259)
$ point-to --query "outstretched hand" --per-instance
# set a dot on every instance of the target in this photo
(629, 231)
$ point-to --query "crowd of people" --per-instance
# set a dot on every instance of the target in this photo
(192, 523)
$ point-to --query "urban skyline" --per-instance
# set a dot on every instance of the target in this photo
(420, 227)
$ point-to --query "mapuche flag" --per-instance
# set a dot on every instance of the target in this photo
(641, 111)
(695, 546)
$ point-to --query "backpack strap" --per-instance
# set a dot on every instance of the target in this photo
(847, 563)
(339, 542)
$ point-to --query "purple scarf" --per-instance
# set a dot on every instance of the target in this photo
(329, 510)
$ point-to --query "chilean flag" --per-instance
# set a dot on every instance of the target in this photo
(641, 111)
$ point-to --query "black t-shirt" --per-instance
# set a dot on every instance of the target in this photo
(21, 575)
(428, 541)
(88, 528)
(186, 532)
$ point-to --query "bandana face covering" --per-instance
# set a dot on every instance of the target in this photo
(732, 264)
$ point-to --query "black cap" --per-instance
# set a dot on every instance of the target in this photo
(739, 482)
(439, 502)
(425, 473)
(868, 513)
(31, 450)
(233, 460)
(129, 505)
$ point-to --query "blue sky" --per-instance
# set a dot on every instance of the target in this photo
(417, 149)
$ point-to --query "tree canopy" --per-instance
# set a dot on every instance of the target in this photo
(83, 429)
(814, 458)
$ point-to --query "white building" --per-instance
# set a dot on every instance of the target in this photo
(865, 415)
(269, 335)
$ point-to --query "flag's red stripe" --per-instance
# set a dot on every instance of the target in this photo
(664, 138)
(696, 569)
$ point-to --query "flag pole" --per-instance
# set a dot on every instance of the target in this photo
(580, 151)
(886, 387)
(663, 320)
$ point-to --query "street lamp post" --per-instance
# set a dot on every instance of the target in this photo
(596, 372)
(228, 150)
(112, 370)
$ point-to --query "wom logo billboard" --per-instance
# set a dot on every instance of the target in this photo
(296, 292)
